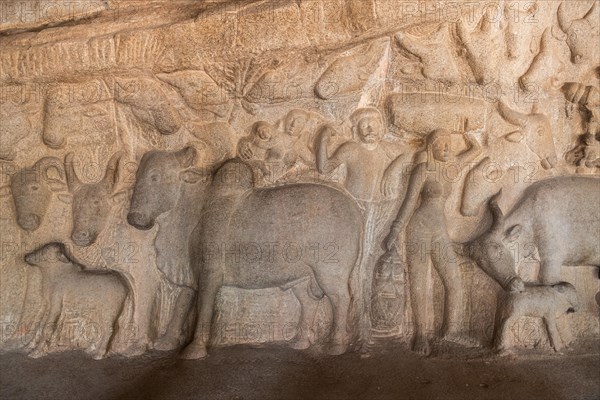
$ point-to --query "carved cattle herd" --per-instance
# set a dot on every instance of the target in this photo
(437, 183)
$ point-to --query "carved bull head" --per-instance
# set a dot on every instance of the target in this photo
(545, 66)
(32, 190)
(158, 184)
(92, 203)
(535, 133)
(491, 253)
(581, 35)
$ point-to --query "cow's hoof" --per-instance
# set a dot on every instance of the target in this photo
(166, 343)
(300, 344)
(36, 353)
(193, 352)
(337, 349)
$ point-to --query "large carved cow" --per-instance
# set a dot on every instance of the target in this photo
(558, 217)
(306, 237)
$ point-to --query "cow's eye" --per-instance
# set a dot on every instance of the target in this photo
(155, 178)
(34, 188)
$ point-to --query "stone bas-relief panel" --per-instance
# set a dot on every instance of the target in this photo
(331, 176)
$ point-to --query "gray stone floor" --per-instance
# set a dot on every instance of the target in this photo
(273, 372)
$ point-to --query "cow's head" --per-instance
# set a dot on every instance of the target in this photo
(33, 188)
(535, 132)
(158, 184)
(581, 35)
(490, 250)
(546, 65)
(92, 202)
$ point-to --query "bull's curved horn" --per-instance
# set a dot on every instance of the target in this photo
(73, 181)
(112, 169)
(497, 215)
(512, 116)
(563, 22)
(593, 14)
(44, 164)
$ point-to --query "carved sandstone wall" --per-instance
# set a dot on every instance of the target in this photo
(325, 173)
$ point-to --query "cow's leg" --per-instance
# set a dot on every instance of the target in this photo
(308, 307)
(337, 290)
(210, 283)
(173, 337)
(553, 335)
(48, 327)
(501, 336)
(143, 292)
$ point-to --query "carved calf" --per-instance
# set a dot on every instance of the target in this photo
(65, 282)
(546, 302)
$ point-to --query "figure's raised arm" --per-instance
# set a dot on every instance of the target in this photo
(325, 164)
(473, 150)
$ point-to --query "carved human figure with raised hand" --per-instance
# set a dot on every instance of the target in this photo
(422, 216)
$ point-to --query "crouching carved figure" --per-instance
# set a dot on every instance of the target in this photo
(256, 238)
(542, 301)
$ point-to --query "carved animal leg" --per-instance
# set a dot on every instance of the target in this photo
(502, 337)
(143, 292)
(48, 328)
(553, 335)
(308, 308)
(340, 301)
(209, 286)
(417, 271)
(101, 347)
(173, 338)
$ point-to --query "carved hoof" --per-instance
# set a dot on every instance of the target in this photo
(337, 349)
(166, 343)
(193, 352)
(300, 344)
(37, 353)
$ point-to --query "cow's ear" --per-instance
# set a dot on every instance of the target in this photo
(192, 176)
(513, 233)
(65, 198)
(57, 186)
(186, 156)
(514, 137)
(5, 191)
(119, 198)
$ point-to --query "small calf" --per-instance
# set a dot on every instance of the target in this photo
(542, 301)
(64, 281)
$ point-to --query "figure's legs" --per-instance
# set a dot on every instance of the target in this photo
(553, 335)
(173, 337)
(210, 283)
(445, 263)
(418, 272)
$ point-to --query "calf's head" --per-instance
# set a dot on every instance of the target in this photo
(92, 203)
(581, 35)
(158, 184)
(51, 254)
(568, 293)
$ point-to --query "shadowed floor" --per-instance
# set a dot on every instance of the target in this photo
(243, 372)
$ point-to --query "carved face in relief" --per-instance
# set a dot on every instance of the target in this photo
(295, 122)
(369, 129)
(441, 148)
(263, 131)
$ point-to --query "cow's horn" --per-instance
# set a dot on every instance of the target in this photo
(497, 215)
(563, 23)
(112, 169)
(512, 116)
(593, 14)
(73, 181)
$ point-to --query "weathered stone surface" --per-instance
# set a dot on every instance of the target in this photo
(321, 172)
